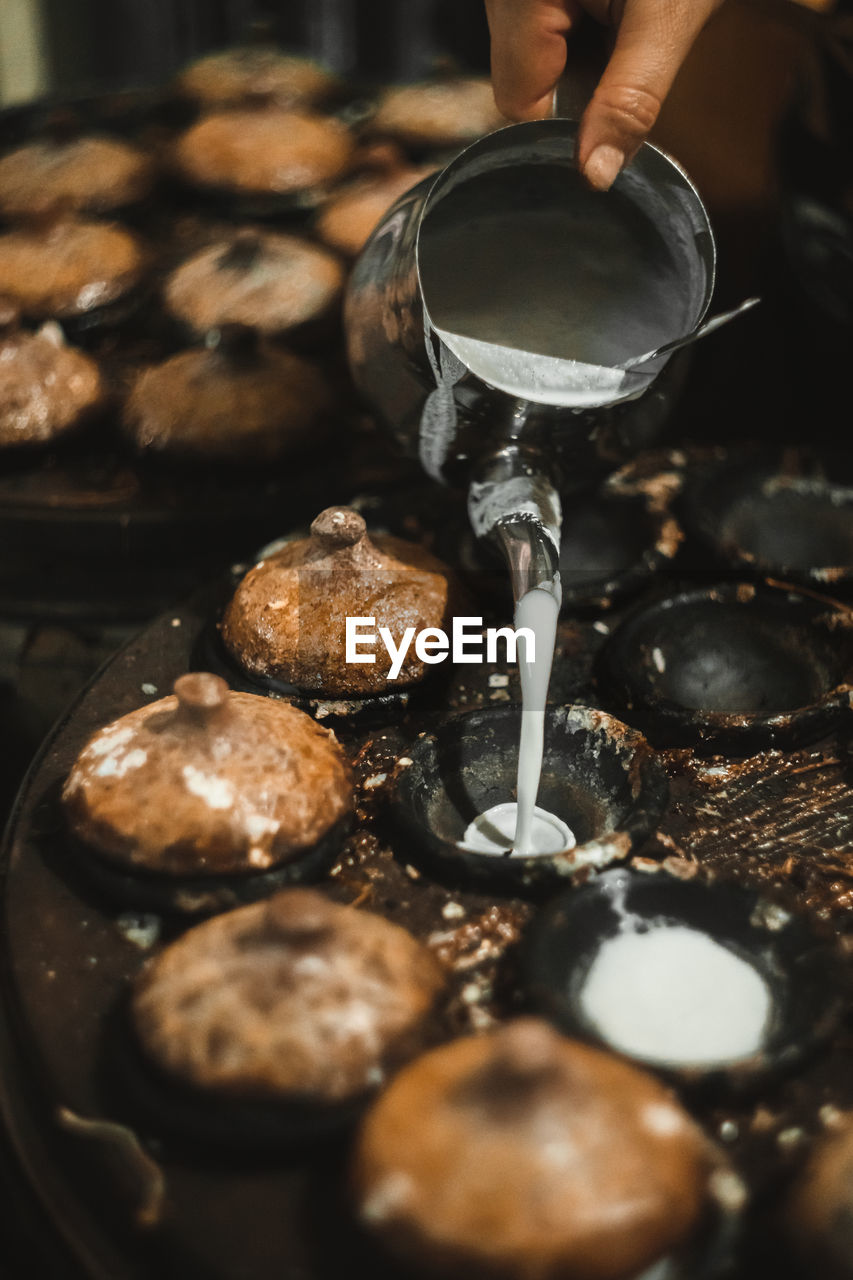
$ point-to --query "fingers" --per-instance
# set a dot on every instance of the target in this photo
(528, 53)
(653, 39)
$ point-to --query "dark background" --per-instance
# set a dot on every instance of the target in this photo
(121, 42)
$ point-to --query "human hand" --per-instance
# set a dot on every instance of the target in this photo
(653, 37)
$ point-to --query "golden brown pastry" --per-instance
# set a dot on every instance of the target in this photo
(439, 113)
(347, 218)
(232, 76)
(519, 1153)
(293, 998)
(264, 151)
(287, 618)
(68, 267)
(240, 400)
(207, 782)
(819, 1216)
(270, 281)
(46, 387)
(87, 173)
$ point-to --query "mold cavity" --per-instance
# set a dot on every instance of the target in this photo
(791, 526)
(710, 653)
(601, 791)
(730, 660)
(687, 976)
(468, 786)
(601, 539)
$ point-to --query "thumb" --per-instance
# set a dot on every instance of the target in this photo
(653, 39)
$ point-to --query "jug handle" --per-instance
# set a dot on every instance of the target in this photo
(587, 51)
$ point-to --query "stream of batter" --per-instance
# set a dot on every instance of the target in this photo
(542, 289)
(520, 827)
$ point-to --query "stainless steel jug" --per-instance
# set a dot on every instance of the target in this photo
(431, 396)
(472, 411)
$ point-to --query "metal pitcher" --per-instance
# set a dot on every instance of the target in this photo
(471, 411)
(454, 411)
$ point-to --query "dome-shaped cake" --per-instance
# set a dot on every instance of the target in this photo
(84, 173)
(287, 619)
(232, 76)
(46, 386)
(270, 281)
(293, 997)
(238, 400)
(65, 267)
(206, 783)
(437, 113)
(818, 1216)
(347, 218)
(519, 1153)
(264, 151)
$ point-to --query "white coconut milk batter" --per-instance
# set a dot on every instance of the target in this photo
(546, 299)
(675, 995)
(494, 831)
(520, 826)
(538, 611)
(541, 290)
(592, 284)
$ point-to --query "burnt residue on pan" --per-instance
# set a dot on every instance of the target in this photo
(775, 822)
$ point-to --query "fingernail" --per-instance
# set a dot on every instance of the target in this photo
(602, 168)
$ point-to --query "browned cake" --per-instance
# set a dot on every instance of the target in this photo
(819, 1216)
(69, 267)
(233, 75)
(264, 151)
(519, 1153)
(287, 618)
(237, 401)
(437, 114)
(207, 782)
(271, 282)
(88, 173)
(293, 997)
(46, 387)
(348, 217)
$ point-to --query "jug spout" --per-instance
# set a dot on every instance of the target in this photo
(513, 502)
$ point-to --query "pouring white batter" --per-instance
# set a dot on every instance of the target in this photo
(520, 827)
(544, 295)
